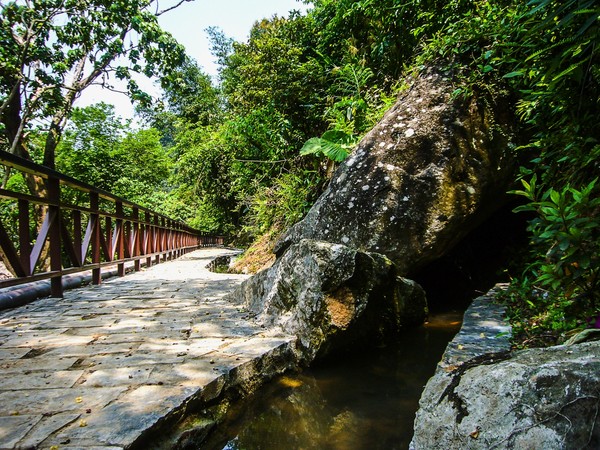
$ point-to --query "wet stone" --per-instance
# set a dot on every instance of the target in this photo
(484, 330)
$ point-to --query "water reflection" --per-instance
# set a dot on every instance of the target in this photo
(367, 401)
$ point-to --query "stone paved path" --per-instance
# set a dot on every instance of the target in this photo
(100, 366)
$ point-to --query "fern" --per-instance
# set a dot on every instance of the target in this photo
(568, 70)
(546, 50)
(353, 78)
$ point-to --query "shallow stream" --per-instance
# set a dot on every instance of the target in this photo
(366, 401)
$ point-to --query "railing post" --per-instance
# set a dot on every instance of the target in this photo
(167, 238)
(170, 243)
(78, 237)
(95, 224)
(108, 237)
(175, 239)
(24, 237)
(156, 239)
(178, 241)
(136, 237)
(120, 237)
(54, 235)
(127, 236)
(163, 240)
(148, 239)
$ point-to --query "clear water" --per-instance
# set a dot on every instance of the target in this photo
(367, 401)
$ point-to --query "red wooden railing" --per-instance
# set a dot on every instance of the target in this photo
(106, 230)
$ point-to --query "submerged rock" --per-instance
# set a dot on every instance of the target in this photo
(427, 174)
(330, 295)
(487, 397)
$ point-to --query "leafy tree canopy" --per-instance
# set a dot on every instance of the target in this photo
(51, 50)
(101, 150)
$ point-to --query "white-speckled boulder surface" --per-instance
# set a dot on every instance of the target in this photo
(421, 180)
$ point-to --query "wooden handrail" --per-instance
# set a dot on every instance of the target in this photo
(108, 238)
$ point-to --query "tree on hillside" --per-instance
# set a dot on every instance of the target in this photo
(276, 68)
(89, 140)
(190, 97)
(99, 148)
(51, 50)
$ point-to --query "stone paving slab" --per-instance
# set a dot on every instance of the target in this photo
(99, 367)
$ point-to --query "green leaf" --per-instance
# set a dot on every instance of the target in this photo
(585, 262)
(524, 208)
(314, 146)
(334, 151)
(519, 192)
(563, 245)
(338, 137)
(518, 73)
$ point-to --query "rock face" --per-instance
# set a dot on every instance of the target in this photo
(424, 177)
(330, 295)
(532, 399)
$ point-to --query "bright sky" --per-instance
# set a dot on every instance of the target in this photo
(187, 24)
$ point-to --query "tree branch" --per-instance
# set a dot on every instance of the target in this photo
(109, 87)
(177, 5)
(8, 99)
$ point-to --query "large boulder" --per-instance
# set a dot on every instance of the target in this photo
(425, 176)
(484, 396)
(330, 295)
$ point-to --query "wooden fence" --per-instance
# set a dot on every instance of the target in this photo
(74, 227)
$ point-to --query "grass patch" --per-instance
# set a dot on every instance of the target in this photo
(258, 256)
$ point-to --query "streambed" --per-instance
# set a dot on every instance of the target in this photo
(366, 401)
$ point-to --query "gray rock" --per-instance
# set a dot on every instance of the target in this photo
(484, 332)
(421, 180)
(330, 295)
(494, 399)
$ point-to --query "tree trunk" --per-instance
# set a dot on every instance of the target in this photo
(11, 118)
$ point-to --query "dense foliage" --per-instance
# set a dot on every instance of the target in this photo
(276, 91)
(351, 54)
(103, 151)
(544, 54)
